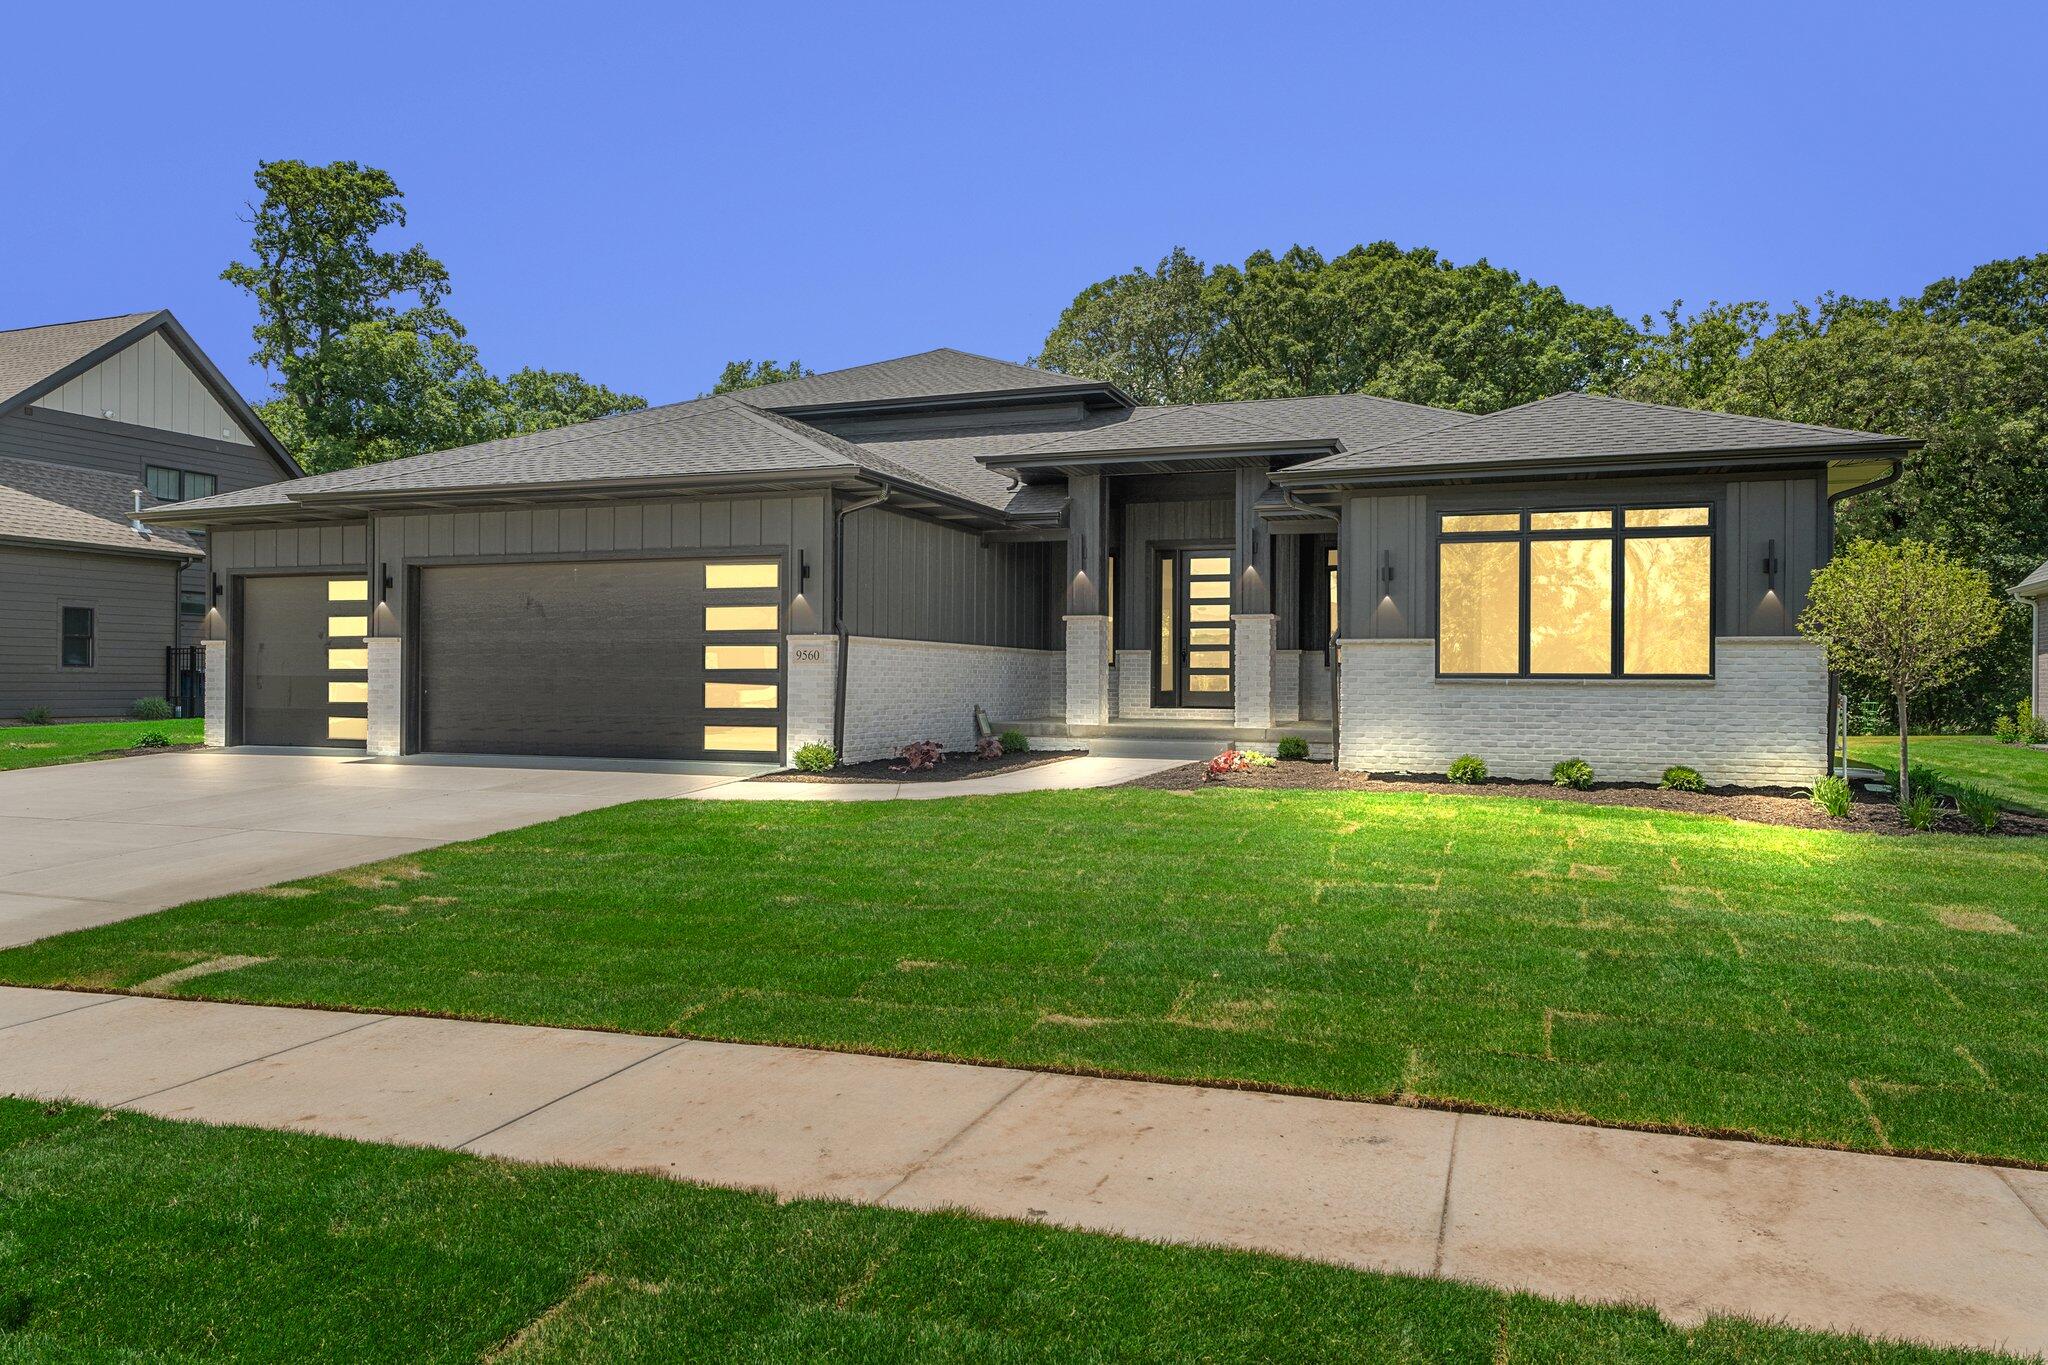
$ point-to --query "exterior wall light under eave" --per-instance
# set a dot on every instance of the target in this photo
(216, 590)
(1386, 573)
(384, 584)
(1771, 566)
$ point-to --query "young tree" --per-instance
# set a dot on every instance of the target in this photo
(1907, 615)
(752, 374)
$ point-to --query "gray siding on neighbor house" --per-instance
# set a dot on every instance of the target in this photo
(148, 383)
(133, 602)
(1398, 530)
(912, 579)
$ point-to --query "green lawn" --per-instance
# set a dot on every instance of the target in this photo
(132, 1237)
(37, 746)
(1628, 965)
(2013, 774)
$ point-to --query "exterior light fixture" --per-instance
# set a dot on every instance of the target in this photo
(216, 589)
(1386, 566)
(1771, 565)
(803, 570)
(384, 573)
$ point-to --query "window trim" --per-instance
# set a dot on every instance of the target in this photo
(91, 636)
(1618, 534)
(182, 478)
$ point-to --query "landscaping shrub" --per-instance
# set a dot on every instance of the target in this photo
(1977, 807)
(816, 758)
(1293, 748)
(36, 715)
(155, 739)
(1679, 778)
(151, 708)
(1832, 795)
(1014, 742)
(2005, 730)
(1575, 773)
(1467, 769)
(2032, 729)
(1228, 762)
(987, 747)
(1919, 812)
(1254, 759)
(920, 755)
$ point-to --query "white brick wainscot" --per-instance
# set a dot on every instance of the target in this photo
(898, 691)
(811, 681)
(214, 729)
(1760, 721)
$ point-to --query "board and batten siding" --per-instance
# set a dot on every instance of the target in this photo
(1397, 531)
(148, 384)
(134, 605)
(911, 579)
(1147, 521)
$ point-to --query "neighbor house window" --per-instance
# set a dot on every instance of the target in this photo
(178, 485)
(77, 637)
(1576, 593)
(192, 602)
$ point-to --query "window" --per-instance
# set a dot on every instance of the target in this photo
(192, 602)
(742, 575)
(77, 637)
(1109, 603)
(1576, 593)
(1330, 573)
(178, 485)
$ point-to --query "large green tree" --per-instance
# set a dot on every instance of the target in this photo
(369, 363)
(752, 374)
(1377, 319)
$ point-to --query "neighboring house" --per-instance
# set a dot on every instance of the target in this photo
(863, 557)
(2034, 588)
(99, 420)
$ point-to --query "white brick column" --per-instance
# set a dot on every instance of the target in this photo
(386, 733)
(1087, 670)
(1252, 669)
(215, 654)
(1286, 686)
(810, 708)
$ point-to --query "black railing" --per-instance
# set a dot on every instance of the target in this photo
(185, 678)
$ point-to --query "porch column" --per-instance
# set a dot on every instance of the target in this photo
(811, 709)
(1087, 611)
(215, 726)
(1254, 624)
(386, 729)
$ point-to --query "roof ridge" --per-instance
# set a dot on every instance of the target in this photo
(81, 322)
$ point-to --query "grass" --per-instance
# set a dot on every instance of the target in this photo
(134, 1237)
(2014, 775)
(38, 746)
(1631, 966)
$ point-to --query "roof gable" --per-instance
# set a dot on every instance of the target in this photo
(31, 357)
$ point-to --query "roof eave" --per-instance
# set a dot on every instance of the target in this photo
(139, 550)
(1303, 478)
(977, 398)
(1241, 450)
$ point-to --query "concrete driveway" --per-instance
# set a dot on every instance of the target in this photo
(90, 843)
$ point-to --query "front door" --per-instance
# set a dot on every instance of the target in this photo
(1192, 666)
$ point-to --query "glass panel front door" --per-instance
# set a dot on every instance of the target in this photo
(1195, 632)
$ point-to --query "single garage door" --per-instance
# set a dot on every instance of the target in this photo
(671, 658)
(305, 667)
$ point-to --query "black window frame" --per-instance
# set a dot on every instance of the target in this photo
(192, 602)
(185, 484)
(1618, 532)
(65, 635)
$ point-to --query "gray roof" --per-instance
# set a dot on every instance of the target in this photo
(1338, 421)
(2034, 584)
(944, 373)
(62, 505)
(31, 355)
(1574, 427)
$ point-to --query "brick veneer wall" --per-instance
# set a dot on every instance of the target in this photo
(214, 728)
(386, 736)
(1761, 721)
(903, 690)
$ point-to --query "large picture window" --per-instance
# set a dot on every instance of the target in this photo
(1592, 592)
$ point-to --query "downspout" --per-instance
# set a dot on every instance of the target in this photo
(839, 517)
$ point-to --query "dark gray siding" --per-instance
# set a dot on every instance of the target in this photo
(1175, 510)
(911, 579)
(132, 605)
(1396, 530)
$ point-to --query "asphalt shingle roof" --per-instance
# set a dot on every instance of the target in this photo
(931, 374)
(1576, 426)
(2034, 584)
(1355, 420)
(30, 355)
(68, 506)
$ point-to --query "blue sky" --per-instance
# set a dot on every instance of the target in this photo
(643, 192)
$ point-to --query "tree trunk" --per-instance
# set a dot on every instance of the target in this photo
(1905, 775)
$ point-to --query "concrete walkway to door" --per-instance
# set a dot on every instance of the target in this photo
(89, 843)
(1883, 1246)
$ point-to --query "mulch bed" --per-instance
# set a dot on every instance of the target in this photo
(957, 767)
(1871, 814)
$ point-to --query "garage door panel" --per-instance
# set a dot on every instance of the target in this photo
(605, 659)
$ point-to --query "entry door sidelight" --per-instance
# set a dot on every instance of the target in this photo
(1194, 634)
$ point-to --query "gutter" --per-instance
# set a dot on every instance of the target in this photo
(839, 517)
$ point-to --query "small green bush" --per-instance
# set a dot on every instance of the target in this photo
(1919, 812)
(1293, 748)
(2031, 729)
(2005, 730)
(36, 715)
(1977, 807)
(1467, 769)
(1014, 742)
(1254, 759)
(1926, 779)
(1832, 795)
(1575, 773)
(1679, 778)
(816, 758)
(154, 739)
(151, 708)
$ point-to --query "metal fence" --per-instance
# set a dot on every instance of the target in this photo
(185, 678)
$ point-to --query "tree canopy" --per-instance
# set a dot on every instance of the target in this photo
(370, 363)
(752, 374)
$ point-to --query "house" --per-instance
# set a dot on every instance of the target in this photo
(862, 558)
(2034, 588)
(98, 421)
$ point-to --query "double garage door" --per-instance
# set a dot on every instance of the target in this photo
(667, 658)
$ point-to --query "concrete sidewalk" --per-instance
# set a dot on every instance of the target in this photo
(1933, 1251)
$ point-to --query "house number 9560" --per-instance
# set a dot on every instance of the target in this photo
(806, 656)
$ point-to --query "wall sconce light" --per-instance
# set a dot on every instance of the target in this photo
(803, 570)
(216, 590)
(1386, 566)
(384, 572)
(1771, 565)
